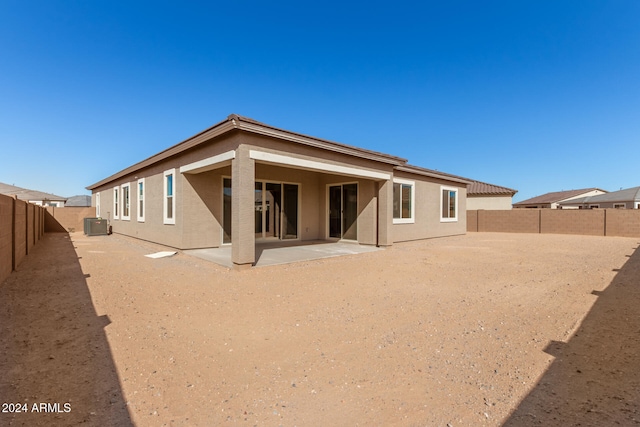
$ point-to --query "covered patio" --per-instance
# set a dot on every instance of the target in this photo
(279, 252)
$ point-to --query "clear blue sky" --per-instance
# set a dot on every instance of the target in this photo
(537, 95)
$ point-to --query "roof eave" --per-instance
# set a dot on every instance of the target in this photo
(253, 126)
(212, 132)
(433, 174)
(233, 122)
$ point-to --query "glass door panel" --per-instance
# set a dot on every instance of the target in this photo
(343, 211)
(273, 196)
(350, 211)
(335, 211)
(257, 197)
(290, 211)
(226, 210)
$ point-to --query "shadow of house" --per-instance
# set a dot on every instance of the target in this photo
(595, 377)
(54, 348)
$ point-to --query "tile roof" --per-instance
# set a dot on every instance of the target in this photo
(236, 122)
(478, 188)
(81, 200)
(26, 194)
(626, 195)
(433, 173)
(555, 196)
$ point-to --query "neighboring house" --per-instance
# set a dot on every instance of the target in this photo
(623, 199)
(242, 181)
(553, 200)
(32, 196)
(481, 195)
(79, 201)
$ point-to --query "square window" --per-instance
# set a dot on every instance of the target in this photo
(403, 201)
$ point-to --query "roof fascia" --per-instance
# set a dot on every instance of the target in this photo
(238, 122)
(273, 132)
(214, 131)
(431, 174)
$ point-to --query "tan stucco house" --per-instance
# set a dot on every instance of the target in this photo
(36, 197)
(241, 182)
(629, 198)
(481, 195)
(554, 199)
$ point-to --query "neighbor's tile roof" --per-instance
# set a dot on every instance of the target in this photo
(477, 188)
(26, 194)
(81, 200)
(626, 195)
(555, 196)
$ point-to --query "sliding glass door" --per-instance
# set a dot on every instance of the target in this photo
(276, 210)
(343, 211)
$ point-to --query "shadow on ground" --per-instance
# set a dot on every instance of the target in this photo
(54, 354)
(595, 377)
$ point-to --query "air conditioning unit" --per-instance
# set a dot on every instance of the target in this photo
(96, 227)
(86, 224)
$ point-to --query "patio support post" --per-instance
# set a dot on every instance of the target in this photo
(385, 212)
(243, 248)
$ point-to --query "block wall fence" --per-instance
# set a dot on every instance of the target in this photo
(21, 227)
(67, 219)
(594, 222)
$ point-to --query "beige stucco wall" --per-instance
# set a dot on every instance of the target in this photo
(199, 196)
(428, 222)
(199, 199)
(489, 203)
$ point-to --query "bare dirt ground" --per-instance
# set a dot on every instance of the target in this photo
(486, 329)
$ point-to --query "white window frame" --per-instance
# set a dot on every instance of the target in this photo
(116, 202)
(166, 219)
(454, 189)
(412, 185)
(619, 206)
(594, 206)
(98, 204)
(140, 200)
(125, 196)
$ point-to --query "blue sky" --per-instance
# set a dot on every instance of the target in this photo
(537, 96)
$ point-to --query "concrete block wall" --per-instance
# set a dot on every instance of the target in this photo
(511, 221)
(563, 221)
(6, 237)
(68, 219)
(623, 222)
(21, 227)
(594, 222)
(20, 231)
(472, 220)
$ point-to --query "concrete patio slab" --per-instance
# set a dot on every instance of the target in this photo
(274, 253)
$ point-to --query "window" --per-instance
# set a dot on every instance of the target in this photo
(98, 205)
(126, 198)
(141, 200)
(169, 206)
(449, 204)
(403, 201)
(619, 205)
(116, 193)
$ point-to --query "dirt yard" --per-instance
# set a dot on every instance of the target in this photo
(486, 329)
